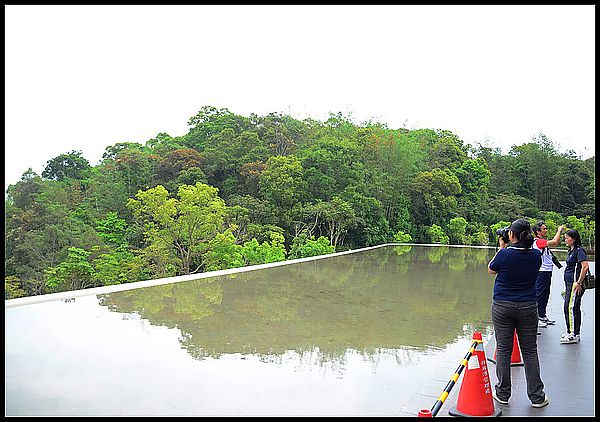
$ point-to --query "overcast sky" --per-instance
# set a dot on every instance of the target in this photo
(86, 77)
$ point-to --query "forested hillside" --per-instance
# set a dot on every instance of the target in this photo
(238, 191)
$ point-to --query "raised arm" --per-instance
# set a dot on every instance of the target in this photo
(556, 239)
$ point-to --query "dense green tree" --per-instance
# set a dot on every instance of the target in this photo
(104, 191)
(391, 160)
(320, 186)
(12, 288)
(457, 230)
(38, 236)
(134, 164)
(433, 195)
(23, 193)
(113, 152)
(537, 164)
(437, 235)
(265, 252)
(307, 218)
(588, 237)
(573, 222)
(447, 151)
(119, 266)
(402, 237)
(210, 121)
(227, 152)
(477, 234)
(282, 183)
(330, 165)
(503, 180)
(250, 177)
(337, 216)
(260, 210)
(474, 178)
(223, 253)
(74, 273)
(70, 165)
(480, 238)
(369, 226)
(177, 167)
(163, 144)
(578, 195)
(113, 230)
(304, 246)
(281, 132)
(186, 225)
(509, 207)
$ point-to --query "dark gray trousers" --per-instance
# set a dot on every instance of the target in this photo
(522, 316)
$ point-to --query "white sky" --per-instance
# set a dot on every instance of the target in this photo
(86, 77)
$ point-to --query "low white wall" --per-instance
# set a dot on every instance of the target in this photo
(21, 301)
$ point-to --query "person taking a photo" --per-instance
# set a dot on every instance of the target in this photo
(514, 307)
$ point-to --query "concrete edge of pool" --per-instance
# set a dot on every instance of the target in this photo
(28, 300)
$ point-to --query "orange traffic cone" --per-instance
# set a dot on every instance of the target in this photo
(475, 395)
(425, 413)
(515, 357)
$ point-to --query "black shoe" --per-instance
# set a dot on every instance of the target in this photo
(547, 320)
(542, 404)
(497, 399)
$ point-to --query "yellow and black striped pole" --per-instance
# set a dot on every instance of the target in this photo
(440, 401)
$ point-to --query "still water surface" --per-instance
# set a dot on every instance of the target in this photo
(357, 334)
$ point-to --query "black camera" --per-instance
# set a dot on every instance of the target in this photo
(503, 233)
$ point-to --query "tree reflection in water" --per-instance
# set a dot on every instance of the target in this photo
(386, 301)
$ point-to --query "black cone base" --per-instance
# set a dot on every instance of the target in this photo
(454, 412)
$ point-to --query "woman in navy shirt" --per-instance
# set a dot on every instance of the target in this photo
(575, 271)
(514, 307)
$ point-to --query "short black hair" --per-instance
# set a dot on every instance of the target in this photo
(537, 227)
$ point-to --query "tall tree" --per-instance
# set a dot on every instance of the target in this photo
(474, 178)
(186, 225)
(70, 165)
(281, 182)
(23, 193)
(210, 121)
(74, 273)
(433, 195)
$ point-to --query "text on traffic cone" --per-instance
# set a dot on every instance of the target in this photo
(475, 395)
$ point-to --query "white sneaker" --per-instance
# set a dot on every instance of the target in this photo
(563, 335)
(578, 337)
(496, 397)
(569, 339)
(542, 404)
(542, 324)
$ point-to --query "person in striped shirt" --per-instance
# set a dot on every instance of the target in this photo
(544, 277)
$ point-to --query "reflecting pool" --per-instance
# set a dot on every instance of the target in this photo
(357, 334)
